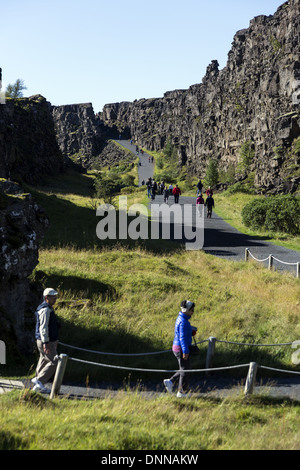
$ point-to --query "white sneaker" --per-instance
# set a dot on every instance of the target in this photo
(181, 395)
(35, 381)
(169, 385)
(39, 387)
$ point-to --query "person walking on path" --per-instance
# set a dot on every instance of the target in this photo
(209, 191)
(200, 204)
(181, 348)
(176, 193)
(199, 187)
(166, 193)
(149, 185)
(46, 335)
(153, 190)
(210, 203)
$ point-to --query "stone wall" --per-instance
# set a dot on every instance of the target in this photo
(254, 98)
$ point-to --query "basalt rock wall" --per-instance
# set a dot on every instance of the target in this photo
(255, 98)
(22, 225)
(28, 145)
(83, 138)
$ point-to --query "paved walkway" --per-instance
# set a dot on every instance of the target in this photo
(206, 387)
(224, 241)
(146, 168)
(220, 238)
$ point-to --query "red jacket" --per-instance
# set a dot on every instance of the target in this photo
(176, 191)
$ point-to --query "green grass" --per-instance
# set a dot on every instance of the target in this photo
(125, 298)
(131, 422)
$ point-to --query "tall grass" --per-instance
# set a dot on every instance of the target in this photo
(131, 422)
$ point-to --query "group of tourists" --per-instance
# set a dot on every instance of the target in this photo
(209, 203)
(154, 188)
(162, 189)
(47, 332)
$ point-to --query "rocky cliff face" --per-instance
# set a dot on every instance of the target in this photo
(255, 99)
(22, 225)
(78, 134)
(28, 146)
(82, 137)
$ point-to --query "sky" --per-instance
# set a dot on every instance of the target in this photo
(108, 51)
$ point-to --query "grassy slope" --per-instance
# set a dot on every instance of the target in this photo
(125, 299)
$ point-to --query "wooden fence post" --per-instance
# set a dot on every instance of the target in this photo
(270, 262)
(59, 374)
(251, 377)
(298, 270)
(210, 353)
(246, 254)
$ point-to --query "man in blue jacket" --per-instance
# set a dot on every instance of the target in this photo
(46, 335)
(181, 347)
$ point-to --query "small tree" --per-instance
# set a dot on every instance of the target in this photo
(212, 173)
(107, 188)
(247, 154)
(15, 90)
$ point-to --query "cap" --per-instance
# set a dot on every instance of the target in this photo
(49, 291)
(186, 306)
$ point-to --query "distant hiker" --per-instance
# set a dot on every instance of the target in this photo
(209, 191)
(152, 159)
(183, 333)
(153, 190)
(149, 186)
(176, 193)
(171, 189)
(143, 182)
(199, 187)
(46, 335)
(166, 194)
(210, 203)
(200, 204)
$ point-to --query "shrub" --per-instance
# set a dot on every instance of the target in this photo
(240, 188)
(276, 213)
(254, 214)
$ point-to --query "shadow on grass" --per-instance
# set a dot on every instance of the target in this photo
(86, 287)
(74, 227)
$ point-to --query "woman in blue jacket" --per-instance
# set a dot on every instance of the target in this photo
(181, 347)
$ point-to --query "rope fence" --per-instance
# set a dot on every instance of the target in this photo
(250, 380)
(270, 260)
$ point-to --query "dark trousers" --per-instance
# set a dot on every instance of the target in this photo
(180, 377)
